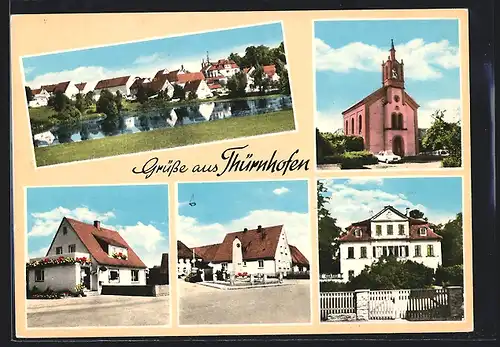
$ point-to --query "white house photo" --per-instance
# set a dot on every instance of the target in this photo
(88, 254)
(388, 233)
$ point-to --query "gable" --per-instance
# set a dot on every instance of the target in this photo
(389, 214)
(64, 240)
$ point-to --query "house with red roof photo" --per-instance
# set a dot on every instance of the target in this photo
(388, 233)
(87, 255)
(269, 73)
(121, 84)
(262, 250)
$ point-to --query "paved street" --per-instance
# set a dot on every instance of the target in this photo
(103, 310)
(283, 304)
(384, 166)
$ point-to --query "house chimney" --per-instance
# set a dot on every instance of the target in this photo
(259, 228)
(245, 230)
(407, 209)
(97, 225)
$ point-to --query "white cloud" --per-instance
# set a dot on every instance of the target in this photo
(423, 60)
(38, 253)
(452, 106)
(298, 230)
(28, 69)
(282, 190)
(329, 121)
(349, 204)
(365, 180)
(146, 240)
(143, 66)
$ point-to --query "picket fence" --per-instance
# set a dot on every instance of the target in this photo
(410, 304)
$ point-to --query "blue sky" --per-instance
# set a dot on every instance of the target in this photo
(440, 198)
(349, 55)
(139, 213)
(146, 57)
(223, 207)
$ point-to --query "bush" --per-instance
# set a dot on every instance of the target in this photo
(356, 160)
(298, 275)
(193, 277)
(332, 287)
(452, 161)
(353, 143)
(450, 275)
(331, 159)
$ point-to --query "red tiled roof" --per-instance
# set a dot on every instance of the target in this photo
(61, 87)
(36, 91)
(219, 65)
(183, 251)
(81, 86)
(207, 252)
(377, 94)
(88, 234)
(269, 70)
(112, 82)
(137, 82)
(364, 226)
(176, 77)
(297, 256)
(255, 244)
(192, 86)
(214, 86)
(49, 87)
(157, 83)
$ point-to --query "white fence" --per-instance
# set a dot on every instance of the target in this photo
(336, 303)
(411, 304)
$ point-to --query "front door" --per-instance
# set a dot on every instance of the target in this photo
(397, 146)
(86, 279)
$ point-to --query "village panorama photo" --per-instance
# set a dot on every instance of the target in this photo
(391, 249)
(388, 94)
(97, 256)
(243, 251)
(158, 94)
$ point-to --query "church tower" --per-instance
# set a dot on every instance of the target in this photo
(393, 70)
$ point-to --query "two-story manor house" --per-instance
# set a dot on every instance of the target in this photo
(389, 232)
(387, 118)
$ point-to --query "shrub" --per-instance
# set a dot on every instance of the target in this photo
(332, 287)
(194, 277)
(298, 275)
(450, 275)
(353, 143)
(332, 159)
(356, 160)
(452, 161)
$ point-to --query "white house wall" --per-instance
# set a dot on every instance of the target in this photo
(65, 240)
(57, 278)
(125, 275)
(283, 255)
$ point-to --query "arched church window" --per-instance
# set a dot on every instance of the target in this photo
(346, 127)
(394, 121)
(352, 125)
(400, 121)
(359, 124)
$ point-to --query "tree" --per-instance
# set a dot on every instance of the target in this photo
(284, 83)
(68, 114)
(258, 78)
(106, 104)
(236, 58)
(141, 95)
(89, 98)
(118, 101)
(237, 84)
(59, 101)
(192, 96)
(80, 103)
(328, 234)
(390, 273)
(417, 214)
(179, 92)
(452, 242)
(444, 135)
(29, 93)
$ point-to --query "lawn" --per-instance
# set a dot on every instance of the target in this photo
(224, 129)
(42, 114)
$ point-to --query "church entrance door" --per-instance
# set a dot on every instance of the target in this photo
(397, 146)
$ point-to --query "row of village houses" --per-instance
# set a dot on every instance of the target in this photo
(210, 80)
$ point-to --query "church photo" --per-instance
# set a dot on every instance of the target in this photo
(388, 98)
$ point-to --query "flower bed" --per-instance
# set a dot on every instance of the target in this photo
(120, 255)
(58, 261)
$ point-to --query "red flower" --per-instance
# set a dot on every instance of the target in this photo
(46, 260)
(83, 259)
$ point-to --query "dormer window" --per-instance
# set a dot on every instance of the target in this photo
(422, 231)
(357, 232)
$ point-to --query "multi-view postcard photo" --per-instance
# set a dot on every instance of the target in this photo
(243, 251)
(391, 249)
(97, 256)
(388, 94)
(158, 94)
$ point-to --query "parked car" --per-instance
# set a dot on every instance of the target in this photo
(387, 157)
(442, 152)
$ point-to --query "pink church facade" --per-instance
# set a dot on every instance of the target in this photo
(387, 119)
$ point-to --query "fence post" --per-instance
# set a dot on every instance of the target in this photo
(362, 302)
(456, 301)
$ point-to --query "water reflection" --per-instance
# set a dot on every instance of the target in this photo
(128, 123)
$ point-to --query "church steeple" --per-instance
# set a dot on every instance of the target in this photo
(392, 70)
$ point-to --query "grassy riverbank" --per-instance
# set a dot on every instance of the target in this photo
(43, 113)
(224, 129)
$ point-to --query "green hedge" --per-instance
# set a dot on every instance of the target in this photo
(450, 275)
(332, 159)
(452, 161)
(356, 160)
(332, 287)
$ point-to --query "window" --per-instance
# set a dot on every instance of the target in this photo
(346, 127)
(394, 121)
(363, 252)
(401, 229)
(261, 264)
(59, 250)
(430, 250)
(350, 274)
(350, 253)
(374, 252)
(244, 263)
(357, 232)
(359, 123)
(400, 121)
(39, 275)
(407, 251)
(418, 252)
(114, 275)
(384, 251)
(390, 230)
(391, 250)
(352, 125)
(72, 248)
(65, 230)
(134, 275)
(422, 231)
(378, 230)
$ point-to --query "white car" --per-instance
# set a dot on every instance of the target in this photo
(442, 153)
(387, 157)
